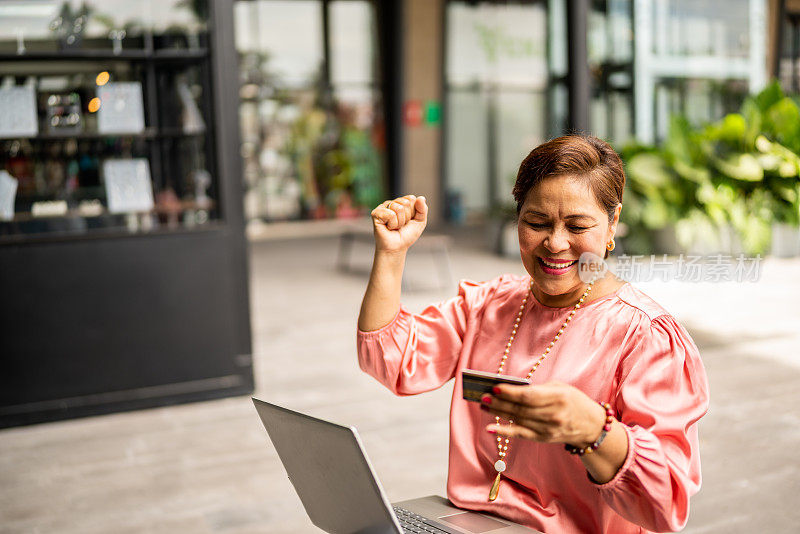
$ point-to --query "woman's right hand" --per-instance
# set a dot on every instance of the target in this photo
(398, 223)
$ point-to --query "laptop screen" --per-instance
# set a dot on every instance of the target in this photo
(329, 470)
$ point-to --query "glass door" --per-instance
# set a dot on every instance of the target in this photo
(496, 83)
(310, 109)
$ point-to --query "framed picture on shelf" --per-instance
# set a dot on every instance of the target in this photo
(128, 185)
(8, 192)
(121, 110)
(63, 113)
(18, 112)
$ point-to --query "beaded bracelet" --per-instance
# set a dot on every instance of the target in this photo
(606, 427)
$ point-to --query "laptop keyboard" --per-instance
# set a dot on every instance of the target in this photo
(416, 524)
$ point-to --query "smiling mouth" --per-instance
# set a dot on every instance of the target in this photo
(551, 266)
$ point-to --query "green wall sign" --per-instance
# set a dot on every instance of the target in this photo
(433, 112)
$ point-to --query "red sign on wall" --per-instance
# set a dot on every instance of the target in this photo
(412, 113)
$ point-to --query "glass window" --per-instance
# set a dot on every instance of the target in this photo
(287, 34)
(312, 134)
(700, 100)
(352, 35)
(51, 25)
(496, 92)
(610, 50)
(496, 43)
(467, 156)
(697, 58)
(97, 139)
(518, 130)
(700, 27)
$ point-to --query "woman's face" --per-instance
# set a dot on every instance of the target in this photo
(560, 220)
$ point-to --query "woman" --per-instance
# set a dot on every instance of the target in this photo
(632, 462)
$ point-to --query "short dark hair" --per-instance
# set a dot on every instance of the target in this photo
(581, 156)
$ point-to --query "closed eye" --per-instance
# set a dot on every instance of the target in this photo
(572, 228)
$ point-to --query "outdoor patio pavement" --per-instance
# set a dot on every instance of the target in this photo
(209, 467)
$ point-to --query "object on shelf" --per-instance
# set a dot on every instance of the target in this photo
(202, 181)
(169, 207)
(49, 208)
(8, 192)
(90, 208)
(121, 109)
(128, 185)
(20, 42)
(195, 218)
(63, 113)
(69, 26)
(116, 37)
(192, 119)
(18, 112)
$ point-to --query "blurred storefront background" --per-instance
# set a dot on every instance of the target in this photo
(345, 102)
(142, 140)
(480, 84)
(313, 140)
(156, 154)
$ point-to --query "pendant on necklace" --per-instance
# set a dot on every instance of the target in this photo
(495, 488)
(499, 466)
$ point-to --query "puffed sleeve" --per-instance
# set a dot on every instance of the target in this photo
(419, 352)
(662, 394)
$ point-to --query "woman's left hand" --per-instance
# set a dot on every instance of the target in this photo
(553, 412)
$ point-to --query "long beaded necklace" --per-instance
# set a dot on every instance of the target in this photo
(502, 445)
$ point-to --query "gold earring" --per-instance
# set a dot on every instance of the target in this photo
(611, 245)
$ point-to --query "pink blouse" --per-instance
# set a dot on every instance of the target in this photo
(622, 348)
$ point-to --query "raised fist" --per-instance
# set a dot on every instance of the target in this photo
(398, 223)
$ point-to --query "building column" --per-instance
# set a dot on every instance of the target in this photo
(579, 79)
(422, 83)
(390, 43)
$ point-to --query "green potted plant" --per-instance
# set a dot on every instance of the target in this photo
(733, 185)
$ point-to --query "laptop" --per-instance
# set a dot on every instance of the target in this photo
(334, 479)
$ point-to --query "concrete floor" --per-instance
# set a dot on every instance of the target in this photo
(209, 467)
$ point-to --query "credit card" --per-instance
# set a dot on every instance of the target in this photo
(476, 384)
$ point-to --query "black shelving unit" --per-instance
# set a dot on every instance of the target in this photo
(157, 56)
(99, 318)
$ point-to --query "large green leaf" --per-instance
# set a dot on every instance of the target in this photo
(770, 162)
(789, 161)
(693, 173)
(718, 201)
(655, 213)
(787, 192)
(768, 96)
(753, 118)
(731, 128)
(679, 142)
(649, 169)
(783, 120)
(744, 167)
